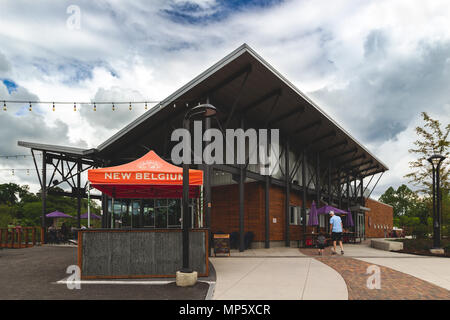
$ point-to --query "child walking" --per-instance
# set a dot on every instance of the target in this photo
(321, 240)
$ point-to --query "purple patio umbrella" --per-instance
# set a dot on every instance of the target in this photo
(349, 220)
(327, 209)
(93, 216)
(313, 218)
(57, 214)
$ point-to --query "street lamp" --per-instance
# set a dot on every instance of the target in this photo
(198, 112)
(436, 161)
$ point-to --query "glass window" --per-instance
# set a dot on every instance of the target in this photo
(149, 213)
(174, 213)
(160, 217)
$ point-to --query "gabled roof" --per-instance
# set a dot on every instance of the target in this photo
(263, 83)
(267, 100)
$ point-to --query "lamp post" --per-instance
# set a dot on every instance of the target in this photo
(198, 112)
(436, 161)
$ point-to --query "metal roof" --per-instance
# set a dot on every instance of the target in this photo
(266, 100)
(78, 152)
(296, 115)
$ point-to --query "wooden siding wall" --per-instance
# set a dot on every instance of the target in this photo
(225, 211)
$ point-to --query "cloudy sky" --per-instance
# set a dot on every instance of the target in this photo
(371, 65)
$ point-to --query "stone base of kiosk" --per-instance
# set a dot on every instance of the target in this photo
(186, 279)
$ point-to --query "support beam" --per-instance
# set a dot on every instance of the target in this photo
(304, 196)
(44, 188)
(348, 190)
(267, 211)
(362, 191)
(207, 169)
(318, 179)
(79, 169)
(286, 115)
(334, 146)
(307, 127)
(260, 100)
(330, 193)
(345, 153)
(287, 196)
(241, 202)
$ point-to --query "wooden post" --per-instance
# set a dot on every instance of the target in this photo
(19, 238)
(1, 238)
(33, 235)
(13, 237)
(27, 235)
(42, 236)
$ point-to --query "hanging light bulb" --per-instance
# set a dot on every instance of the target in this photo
(53, 108)
(187, 105)
(95, 107)
(130, 107)
(145, 105)
(4, 106)
(174, 105)
(28, 172)
(113, 108)
(30, 108)
(12, 171)
(74, 106)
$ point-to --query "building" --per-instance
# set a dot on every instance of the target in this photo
(325, 163)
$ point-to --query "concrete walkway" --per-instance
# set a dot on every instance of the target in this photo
(435, 270)
(274, 274)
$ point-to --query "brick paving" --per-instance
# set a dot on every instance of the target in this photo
(395, 285)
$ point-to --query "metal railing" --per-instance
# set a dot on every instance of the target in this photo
(21, 237)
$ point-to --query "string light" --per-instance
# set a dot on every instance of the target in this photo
(53, 107)
(12, 171)
(113, 108)
(30, 108)
(74, 106)
(145, 105)
(28, 172)
(130, 107)
(95, 107)
(4, 106)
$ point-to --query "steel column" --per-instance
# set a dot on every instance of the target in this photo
(288, 195)
(304, 195)
(44, 188)
(267, 211)
(207, 187)
(79, 168)
(241, 201)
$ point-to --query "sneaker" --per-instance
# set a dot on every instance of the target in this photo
(333, 252)
(342, 252)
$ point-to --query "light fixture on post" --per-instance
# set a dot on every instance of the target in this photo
(186, 276)
(436, 161)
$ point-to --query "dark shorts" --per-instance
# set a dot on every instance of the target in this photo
(321, 245)
(336, 236)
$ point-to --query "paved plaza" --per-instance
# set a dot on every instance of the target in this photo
(269, 274)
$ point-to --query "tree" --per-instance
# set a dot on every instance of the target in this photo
(432, 139)
(403, 200)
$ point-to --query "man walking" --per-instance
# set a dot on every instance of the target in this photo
(336, 231)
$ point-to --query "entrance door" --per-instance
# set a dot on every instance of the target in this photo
(360, 225)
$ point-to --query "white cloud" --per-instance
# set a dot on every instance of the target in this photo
(381, 62)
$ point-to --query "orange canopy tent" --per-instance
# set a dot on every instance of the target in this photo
(146, 177)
